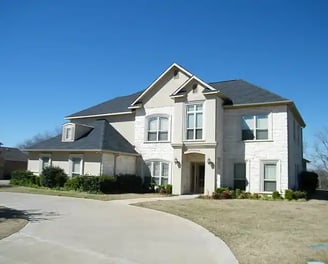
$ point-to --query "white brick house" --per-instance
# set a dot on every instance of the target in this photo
(194, 135)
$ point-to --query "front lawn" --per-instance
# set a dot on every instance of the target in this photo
(76, 194)
(260, 232)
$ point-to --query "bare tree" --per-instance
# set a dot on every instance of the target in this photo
(320, 157)
(38, 138)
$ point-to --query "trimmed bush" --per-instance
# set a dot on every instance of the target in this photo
(129, 183)
(276, 195)
(53, 177)
(24, 178)
(289, 194)
(221, 189)
(308, 181)
(299, 195)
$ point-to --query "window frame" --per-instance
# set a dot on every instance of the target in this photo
(240, 179)
(255, 128)
(160, 176)
(67, 127)
(277, 178)
(76, 156)
(41, 161)
(194, 112)
(158, 130)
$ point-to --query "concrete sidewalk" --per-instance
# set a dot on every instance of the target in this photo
(70, 230)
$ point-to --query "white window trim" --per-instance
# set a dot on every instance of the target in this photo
(161, 161)
(157, 131)
(65, 127)
(278, 174)
(186, 121)
(41, 161)
(70, 161)
(270, 126)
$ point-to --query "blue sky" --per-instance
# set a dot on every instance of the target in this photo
(59, 57)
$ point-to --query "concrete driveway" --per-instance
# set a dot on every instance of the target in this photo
(69, 230)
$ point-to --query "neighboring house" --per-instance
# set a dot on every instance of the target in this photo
(11, 159)
(180, 130)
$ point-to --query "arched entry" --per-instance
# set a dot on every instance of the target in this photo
(195, 172)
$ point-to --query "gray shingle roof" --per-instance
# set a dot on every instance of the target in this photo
(102, 137)
(116, 105)
(242, 92)
(12, 154)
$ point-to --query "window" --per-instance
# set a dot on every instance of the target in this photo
(76, 165)
(270, 178)
(45, 162)
(194, 120)
(159, 171)
(158, 128)
(255, 127)
(68, 133)
(239, 173)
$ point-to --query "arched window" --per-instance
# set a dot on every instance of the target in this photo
(158, 128)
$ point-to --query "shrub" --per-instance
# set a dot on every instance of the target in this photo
(221, 189)
(53, 177)
(237, 193)
(108, 184)
(72, 184)
(224, 194)
(289, 194)
(168, 188)
(256, 196)
(276, 195)
(299, 195)
(24, 178)
(129, 183)
(308, 181)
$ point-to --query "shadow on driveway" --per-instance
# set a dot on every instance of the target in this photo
(29, 215)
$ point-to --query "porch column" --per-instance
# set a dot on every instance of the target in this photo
(210, 172)
(177, 171)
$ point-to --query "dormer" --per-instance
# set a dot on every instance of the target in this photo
(73, 131)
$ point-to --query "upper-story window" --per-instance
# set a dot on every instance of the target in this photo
(158, 128)
(255, 127)
(194, 121)
(68, 132)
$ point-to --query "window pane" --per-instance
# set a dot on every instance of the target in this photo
(165, 169)
(45, 162)
(190, 120)
(262, 121)
(152, 136)
(199, 107)
(270, 171)
(248, 122)
(68, 133)
(152, 123)
(199, 133)
(247, 134)
(163, 136)
(240, 184)
(199, 120)
(240, 171)
(156, 180)
(163, 124)
(76, 165)
(261, 134)
(164, 181)
(269, 186)
(190, 134)
(156, 171)
(190, 108)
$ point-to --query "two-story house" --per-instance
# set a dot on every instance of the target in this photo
(181, 130)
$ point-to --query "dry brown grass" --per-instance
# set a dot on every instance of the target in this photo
(260, 232)
(75, 194)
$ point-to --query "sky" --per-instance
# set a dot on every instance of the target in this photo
(59, 57)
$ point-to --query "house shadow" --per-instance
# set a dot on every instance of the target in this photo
(320, 195)
(29, 215)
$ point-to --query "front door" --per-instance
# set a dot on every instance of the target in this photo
(197, 177)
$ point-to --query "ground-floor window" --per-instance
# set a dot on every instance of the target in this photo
(270, 177)
(159, 171)
(45, 161)
(76, 166)
(239, 174)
